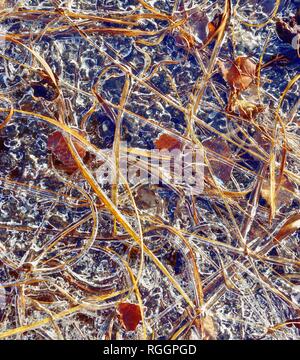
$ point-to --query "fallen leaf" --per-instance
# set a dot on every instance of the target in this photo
(241, 73)
(246, 109)
(167, 142)
(209, 328)
(57, 144)
(146, 198)
(130, 315)
(288, 30)
(213, 25)
(207, 325)
(220, 169)
(197, 23)
(284, 195)
(197, 29)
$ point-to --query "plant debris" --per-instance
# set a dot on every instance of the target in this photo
(130, 315)
(149, 170)
(167, 142)
(58, 145)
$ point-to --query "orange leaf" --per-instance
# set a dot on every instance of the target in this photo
(213, 25)
(167, 142)
(241, 73)
(130, 315)
(211, 29)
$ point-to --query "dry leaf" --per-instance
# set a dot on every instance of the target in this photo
(209, 328)
(167, 142)
(146, 198)
(220, 169)
(207, 325)
(247, 109)
(130, 315)
(59, 148)
(213, 25)
(284, 195)
(288, 30)
(241, 73)
(197, 23)
(197, 29)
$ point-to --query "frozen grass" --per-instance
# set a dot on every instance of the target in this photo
(223, 264)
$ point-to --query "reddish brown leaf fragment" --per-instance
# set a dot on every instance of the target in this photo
(221, 169)
(295, 322)
(167, 142)
(241, 73)
(213, 25)
(197, 28)
(211, 29)
(284, 195)
(130, 315)
(57, 144)
(287, 31)
(198, 22)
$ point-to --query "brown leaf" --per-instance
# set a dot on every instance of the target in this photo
(295, 322)
(130, 315)
(59, 148)
(241, 73)
(207, 325)
(287, 31)
(209, 328)
(146, 198)
(284, 195)
(198, 22)
(213, 25)
(246, 109)
(220, 169)
(167, 142)
(194, 30)
(197, 29)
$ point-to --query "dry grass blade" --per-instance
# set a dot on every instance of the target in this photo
(291, 225)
